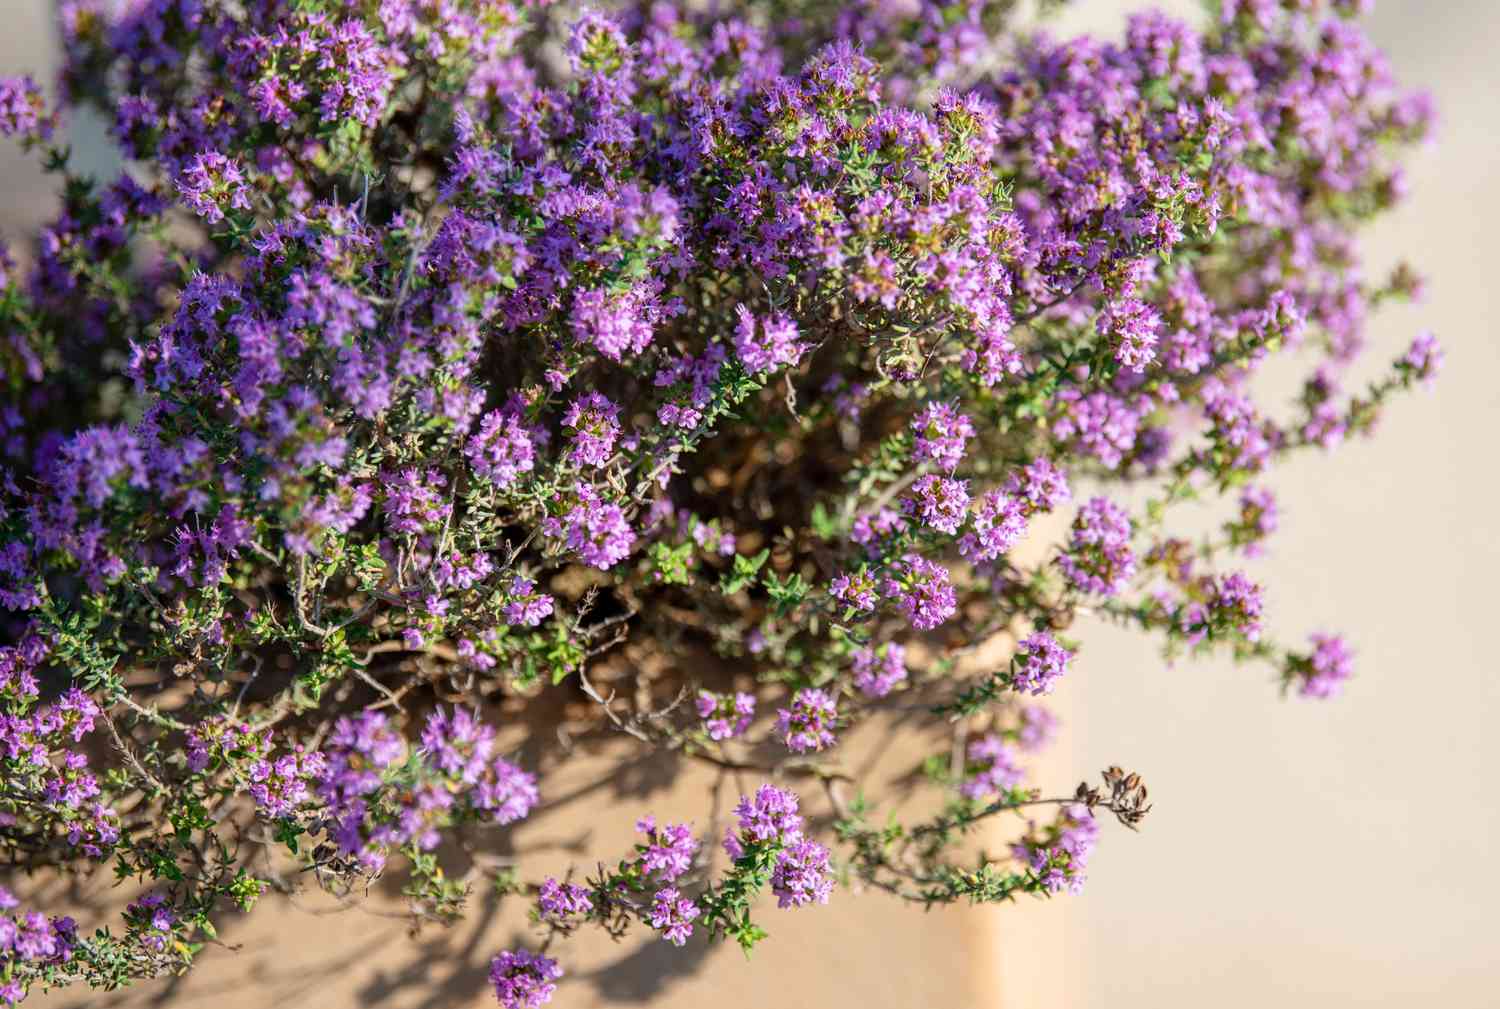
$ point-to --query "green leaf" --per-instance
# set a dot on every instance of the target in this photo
(744, 572)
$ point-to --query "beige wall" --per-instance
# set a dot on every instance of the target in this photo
(1339, 853)
(1301, 854)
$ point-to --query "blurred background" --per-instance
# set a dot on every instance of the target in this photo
(1300, 853)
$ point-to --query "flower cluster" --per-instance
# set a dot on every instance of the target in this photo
(768, 825)
(592, 366)
(668, 851)
(991, 768)
(725, 716)
(878, 671)
(379, 797)
(29, 941)
(1058, 857)
(1099, 559)
(1040, 663)
(808, 723)
(524, 980)
(1323, 671)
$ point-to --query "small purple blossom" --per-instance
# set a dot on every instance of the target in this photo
(725, 716)
(592, 423)
(938, 502)
(992, 768)
(282, 784)
(941, 434)
(857, 590)
(768, 815)
(668, 851)
(596, 530)
(672, 915)
(153, 919)
(213, 184)
(1039, 486)
(22, 109)
(615, 324)
(765, 344)
(524, 605)
(1236, 603)
(1040, 663)
(524, 980)
(1098, 559)
(1259, 518)
(457, 743)
(560, 903)
(1324, 671)
(802, 874)
(1131, 326)
(506, 792)
(1424, 359)
(808, 722)
(878, 671)
(997, 526)
(502, 450)
(1037, 728)
(923, 590)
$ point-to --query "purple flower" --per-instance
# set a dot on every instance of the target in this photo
(669, 851)
(358, 749)
(596, 530)
(1241, 439)
(725, 715)
(524, 606)
(802, 875)
(1131, 326)
(593, 425)
(477, 299)
(502, 450)
(457, 744)
(152, 917)
(1098, 424)
(524, 980)
(941, 434)
(1323, 672)
(279, 786)
(1259, 518)
(1424, 359)
(596, 45)
(1080, 833)
(991, 768)
(1236, 604)
(1039, 486)
(858, 591)
(998, 525)
(768, 815)
(559, 902)
(1098, 558)
(878, 671)
(672, 915)
(1040, 663)
(506, 792)
(923, 590)
(939, 502)
(616, 325)
(808, 723)
(1059, 865)
(765, 344)
(212, 184)
(1037, 729)
(22, 109)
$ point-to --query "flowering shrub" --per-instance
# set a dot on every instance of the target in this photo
(427, 355)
